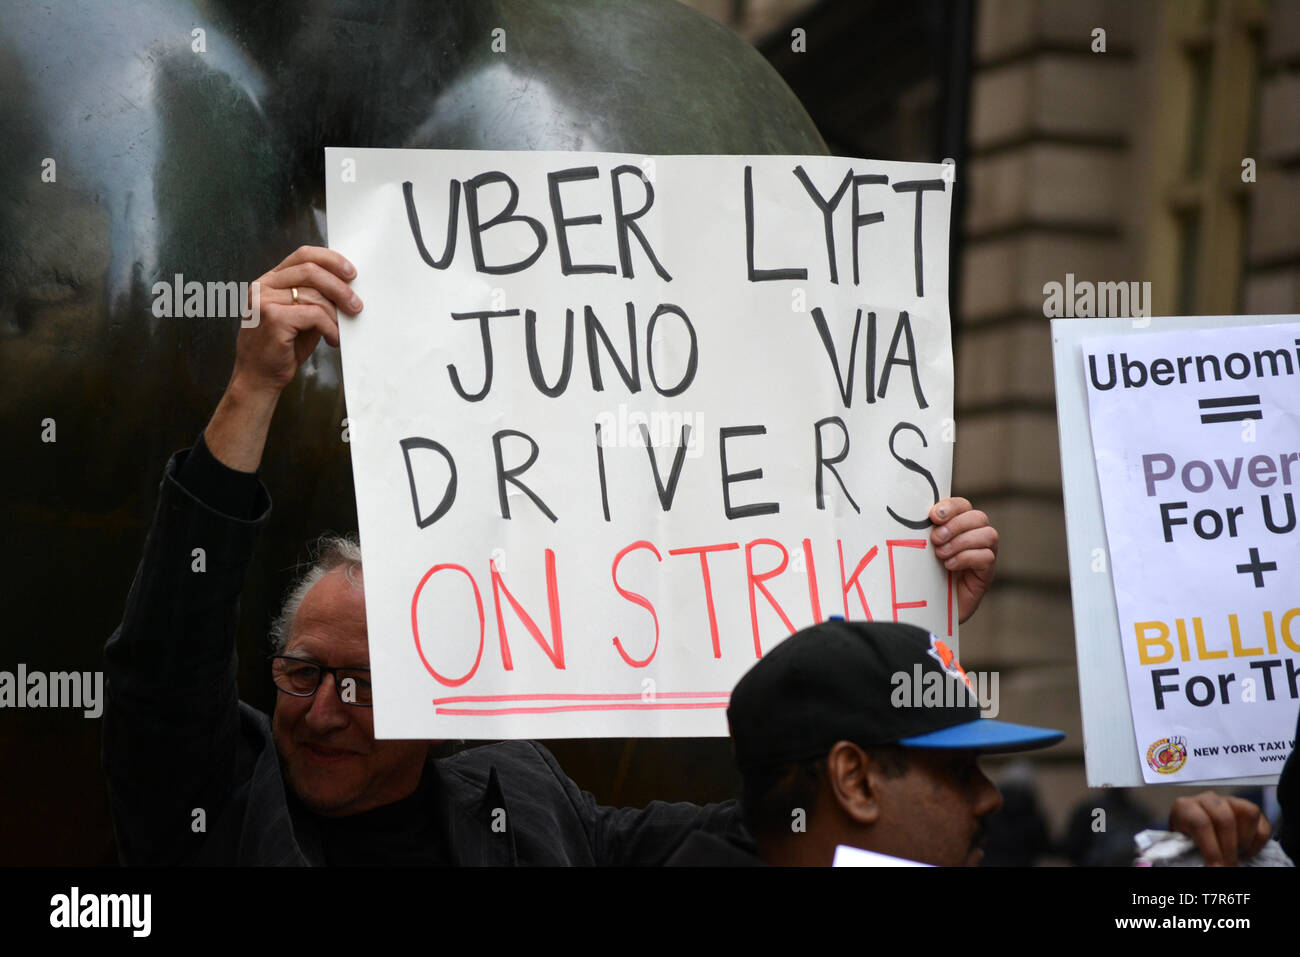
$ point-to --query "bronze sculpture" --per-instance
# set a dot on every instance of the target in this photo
(163, 143)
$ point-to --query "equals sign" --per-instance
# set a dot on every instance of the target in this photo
(1238, 407)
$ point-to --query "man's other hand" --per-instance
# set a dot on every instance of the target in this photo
(1225, 829)
(968, 547)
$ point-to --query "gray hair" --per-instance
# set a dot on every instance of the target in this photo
(328, 553)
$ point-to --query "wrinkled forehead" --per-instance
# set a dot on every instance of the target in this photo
(330, 626)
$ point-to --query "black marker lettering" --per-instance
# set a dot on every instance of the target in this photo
(823, 330)
(830, 463)
(760, 275)
(505, 475)
(865, 219)
(903, 331)
(625, 222)
(477, 228)
(534, 360)
(828, 210)
(448, 495)
(920, 187)
(692, 360)
(911, 466)
(482, 318)
(667, 493)
(741, 511)
(594, 329)
(600, 466)
(553, 181)
(413, 219)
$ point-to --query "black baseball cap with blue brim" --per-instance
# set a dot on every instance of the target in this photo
(876, 684)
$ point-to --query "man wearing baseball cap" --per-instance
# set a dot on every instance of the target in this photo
(836, 746)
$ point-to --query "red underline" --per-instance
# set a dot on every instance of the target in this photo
(637, 696)
(628, 706)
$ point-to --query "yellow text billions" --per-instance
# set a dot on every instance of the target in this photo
(1156, 640)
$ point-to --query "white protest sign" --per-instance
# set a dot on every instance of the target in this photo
(846, 856)
(1196, 435)
(619, 424)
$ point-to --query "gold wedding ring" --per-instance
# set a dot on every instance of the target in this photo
(294, 290)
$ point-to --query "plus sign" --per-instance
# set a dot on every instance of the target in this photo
(1257, 568)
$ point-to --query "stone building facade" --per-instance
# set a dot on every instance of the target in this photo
(1116, 141)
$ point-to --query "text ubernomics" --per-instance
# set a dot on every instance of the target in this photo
(1134, 373)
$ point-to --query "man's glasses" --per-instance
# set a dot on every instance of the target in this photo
(301, 678)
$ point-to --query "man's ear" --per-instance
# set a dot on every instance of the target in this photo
(854, 781)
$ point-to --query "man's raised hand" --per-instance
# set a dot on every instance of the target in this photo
(297, 304)
(269, 352)
(967, 545)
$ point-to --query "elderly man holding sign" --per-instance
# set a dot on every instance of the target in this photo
(313, 785)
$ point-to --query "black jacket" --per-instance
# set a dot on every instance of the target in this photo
(178, 741)
(702, 849)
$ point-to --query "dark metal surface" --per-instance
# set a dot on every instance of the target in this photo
(209, 164)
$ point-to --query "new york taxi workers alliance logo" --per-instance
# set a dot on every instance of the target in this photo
(1167, 755)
